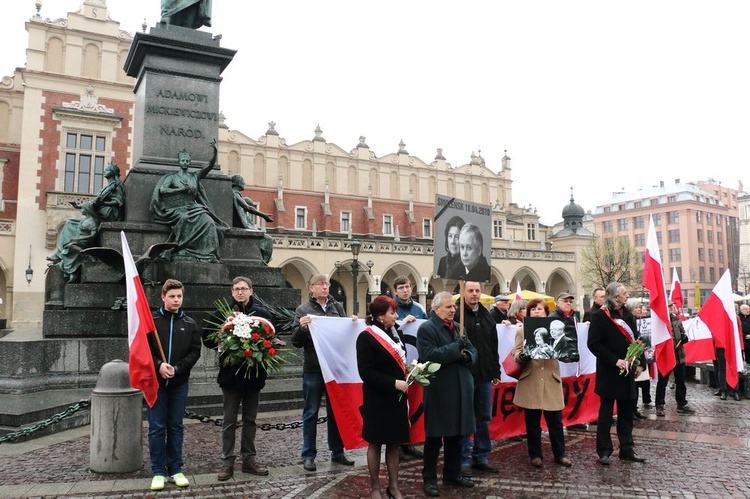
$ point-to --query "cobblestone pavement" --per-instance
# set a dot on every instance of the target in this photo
(697, 456)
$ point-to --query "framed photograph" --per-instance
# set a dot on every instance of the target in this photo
(550, 338)
(463, 240)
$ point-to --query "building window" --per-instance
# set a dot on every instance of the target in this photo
(701, 274)
(607, 209)
(641, 256)
(710, 236)
(711, 275)
(658, 237)
(497, 229)
(427, 227)
(657, 219)
(721, 256)
(671, 199)
(709, 218)
(531, 232)
(639, 222)
(300, 219)
(720, 238)
(711, 255)
(387, 225)
(346, 221)
(640, 240)
(699, 216)
(718, 220)
(674, 236)
(624, 240)
(607, 226)
(675, 255)
(673, 217)
(621, 207)
(622, 224)
(85, 157)
(700, 255)
(654, 201)
(700, 235)
(679, 273)
(637, 204)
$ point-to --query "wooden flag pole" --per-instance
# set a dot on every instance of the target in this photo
(158, 343)
(461, 307)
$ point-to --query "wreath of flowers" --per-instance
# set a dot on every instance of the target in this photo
(247, 341)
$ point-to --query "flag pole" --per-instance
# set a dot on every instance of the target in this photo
(461, 307)
(158, 343)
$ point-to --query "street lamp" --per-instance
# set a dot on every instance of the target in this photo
(356, 268)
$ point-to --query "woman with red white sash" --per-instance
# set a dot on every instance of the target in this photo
(381, 363)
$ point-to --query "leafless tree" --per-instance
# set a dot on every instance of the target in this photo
(606, 260)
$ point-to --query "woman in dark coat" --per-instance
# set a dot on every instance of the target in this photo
(380, 359)
(452, 257)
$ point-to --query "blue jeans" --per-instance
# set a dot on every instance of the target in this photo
(482, 416)
(165, 430)
(313, 389)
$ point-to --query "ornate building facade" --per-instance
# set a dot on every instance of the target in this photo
(69, 112)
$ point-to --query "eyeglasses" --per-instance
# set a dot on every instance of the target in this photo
(243, 290)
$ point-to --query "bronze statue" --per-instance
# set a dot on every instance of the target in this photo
(80, 233)
(243, 207)
(186, 13)
(180, 202)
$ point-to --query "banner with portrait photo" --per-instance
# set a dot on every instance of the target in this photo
(463, 240)
(550, 338)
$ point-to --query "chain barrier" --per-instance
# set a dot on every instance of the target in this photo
(263, 427)
(12, 437)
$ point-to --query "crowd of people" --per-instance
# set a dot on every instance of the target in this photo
(461, 336)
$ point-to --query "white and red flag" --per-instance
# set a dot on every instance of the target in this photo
(717, 313)
(518, 291)
(653, 281)
(140, 324)
(675, 293)
(701, 345)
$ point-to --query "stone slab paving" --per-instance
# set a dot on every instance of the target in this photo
(699, 456)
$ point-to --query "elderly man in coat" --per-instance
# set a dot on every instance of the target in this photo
(449, 399)
(611, 332)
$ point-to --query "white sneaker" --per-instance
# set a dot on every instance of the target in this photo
(157, 483)
(180, 480)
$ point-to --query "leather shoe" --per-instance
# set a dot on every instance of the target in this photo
(254, 469)
(564, 461)
(225, 473)
(309, 465)
(460, 481)
(635, 458)
(736, 396)
(536, 462)
(638, 415)
(603, 460)
(723, 396)
(342, 459)
(484, 467)
(431, 489)
(717, 392)
(466, 471)
(410, 450)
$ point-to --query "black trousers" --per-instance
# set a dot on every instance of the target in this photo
(680, 388)
(645, 388)
(533, 419)
(624, 427)
(452, 458)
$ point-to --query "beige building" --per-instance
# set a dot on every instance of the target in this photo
(697, 228)
(69, 111)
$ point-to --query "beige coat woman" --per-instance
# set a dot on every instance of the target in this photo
(539, 385)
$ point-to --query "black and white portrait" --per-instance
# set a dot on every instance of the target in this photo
(462, 240)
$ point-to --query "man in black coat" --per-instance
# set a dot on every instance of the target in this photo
(449, 398)
(482, 332)
(499, 312)
(611, 332)
(239, 387)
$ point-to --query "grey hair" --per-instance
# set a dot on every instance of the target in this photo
(633, 303)
(438, 299)
(611, 292)
(516, 307)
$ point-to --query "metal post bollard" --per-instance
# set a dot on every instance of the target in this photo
(116, 422)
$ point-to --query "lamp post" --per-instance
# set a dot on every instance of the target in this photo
(356, 268)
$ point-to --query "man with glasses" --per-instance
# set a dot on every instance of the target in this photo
(320, 303)
(238, 386)
(564, 307)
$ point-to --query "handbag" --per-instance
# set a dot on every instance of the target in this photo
(511, 367)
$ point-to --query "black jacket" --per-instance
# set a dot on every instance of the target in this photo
(609, 345)
(233, 376)
(498, 315)
(482, 332)
(301, 335)
(180, 339)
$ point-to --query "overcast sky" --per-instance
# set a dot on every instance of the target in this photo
(596, 95)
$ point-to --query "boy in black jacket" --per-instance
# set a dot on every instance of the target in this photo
(180, 341)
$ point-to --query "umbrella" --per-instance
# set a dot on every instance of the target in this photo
(483, 299)
(530, 295)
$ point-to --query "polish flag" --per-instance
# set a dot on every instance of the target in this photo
(518, 291)
(675, 294)
(701, 345)
(653, 281)
(718, 315)
(140, 324)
